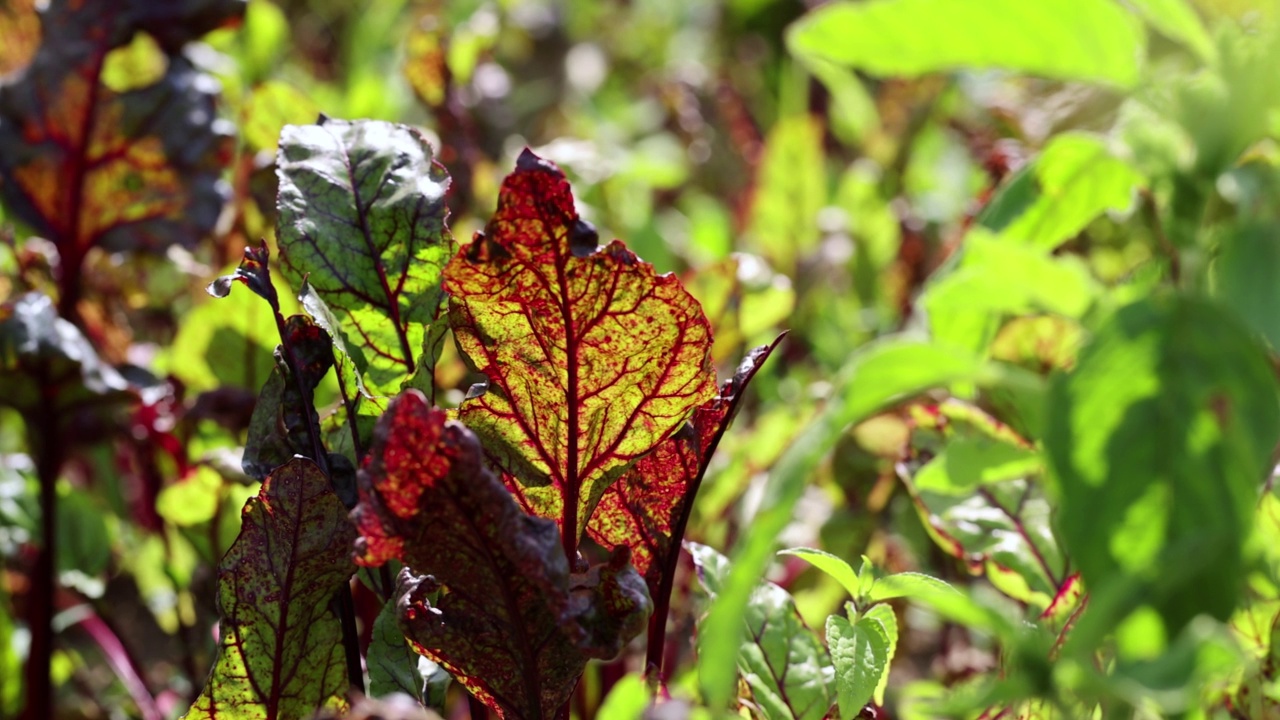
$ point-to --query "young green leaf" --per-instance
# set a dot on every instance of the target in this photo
(592, 357)
(1163, 516)
(860, 652)
(512, 625)
(836, 567)
(788, 669)
(909, 585)
(1090, 40)
(362, 210)
(281, 652)
(393, 665)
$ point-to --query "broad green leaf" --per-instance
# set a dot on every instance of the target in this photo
(1159, 439)
(1076, 179)
(487, 591)
(1090, 40)
(967, 462)
(999, 277)
(281, 652)
(789, 671)
(592, 357)
(914, 586)
(392, 663)
(362, 210)
(874, 377)
(1247, 277)
(627, 699)
(1177, 20)
(837, 568)
(861, 656)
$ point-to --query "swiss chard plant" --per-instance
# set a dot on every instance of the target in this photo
(595, 418)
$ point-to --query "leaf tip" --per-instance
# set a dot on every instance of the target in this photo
(529, 161)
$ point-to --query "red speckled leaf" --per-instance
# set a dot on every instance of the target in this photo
(592, 357)
(511, 623)
(281, 652)
(87, 166)
(649, 506)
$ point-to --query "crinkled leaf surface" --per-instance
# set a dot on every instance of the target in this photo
(362, 210)
(511, 624)
(85, 165)
(592, 357)
(1163, 516)
(788, 669)
(393, 665)
(281, 653)
(860, 652)
(649, 505)
(1092, 40)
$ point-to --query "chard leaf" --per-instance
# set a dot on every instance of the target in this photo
(393, 665)
(362, 210)
(592, 357)
(511, 623)
(281, 652)
(788, 669)
(86, 165)
(649, 506)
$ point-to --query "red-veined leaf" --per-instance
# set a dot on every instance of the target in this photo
(281, 652)
(649, 506)
(511, 623)
(86, 165)
(362, 209)
(592, 357)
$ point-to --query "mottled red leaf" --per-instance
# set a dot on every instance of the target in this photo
(512, 624)
(592, 357)
(281, 652)
(649, 506)
(87, 166)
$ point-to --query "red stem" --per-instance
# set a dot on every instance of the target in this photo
(123, 665)
(44, 435)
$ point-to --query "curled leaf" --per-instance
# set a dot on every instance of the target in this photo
(511, 623)
(592, 357)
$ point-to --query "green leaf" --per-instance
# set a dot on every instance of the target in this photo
(1159, 439)
(999, 277)
(789, 671)
(393, 665)
(791, 188)
(281, 652)
(875, 376)
(362, 210)
(1177, 20)
(837, 568)
(881, 621)
(1247, 277)
(1089, 40)
(860, 656)
(916, 586)
(1077, 179)
(967, 462)
(627, 699)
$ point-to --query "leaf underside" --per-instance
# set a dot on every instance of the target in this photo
(592, 357)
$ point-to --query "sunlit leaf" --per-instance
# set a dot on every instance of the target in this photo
(85, 165)
(592, 357)
(1159, 439)
(281, 652)
(1092, 40)
(1177, 20)
(511, 624)
(788, 669)
(1075, 179)
(790, 189)
(19, 35)
(362, 210)
(649, 505)
(860, 652)
(393, 665)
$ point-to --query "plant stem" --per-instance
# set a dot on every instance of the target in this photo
(479, 711)
(351, 638)
(44, 436)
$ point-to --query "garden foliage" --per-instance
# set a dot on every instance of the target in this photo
(999, 280)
